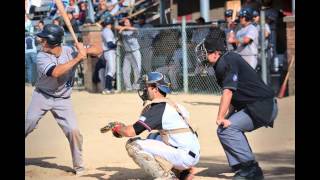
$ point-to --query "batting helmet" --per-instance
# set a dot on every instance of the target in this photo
(108, 20)
(228, 13)
(255, 13)
(246, 12)
(52, 33)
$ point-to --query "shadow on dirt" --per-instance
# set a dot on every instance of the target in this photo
(279, 165)
(121, 173)
(40, 161)
(275, 165)
(195, 103)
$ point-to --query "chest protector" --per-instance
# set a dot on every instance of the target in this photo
(165, 133)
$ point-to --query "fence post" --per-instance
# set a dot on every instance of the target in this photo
(263, 55)
(91, 35)
(116, 23)
(184, 55)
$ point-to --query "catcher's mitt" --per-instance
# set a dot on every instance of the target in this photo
(110, 126)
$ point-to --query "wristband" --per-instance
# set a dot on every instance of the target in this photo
(116, 128)
(240, 40)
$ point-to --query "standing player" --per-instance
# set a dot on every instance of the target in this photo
(247, 104)
(56, 67)
(175, 146)
(132, 56)
(109, 53)
(246, 38)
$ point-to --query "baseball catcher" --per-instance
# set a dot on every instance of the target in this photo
(171, 151)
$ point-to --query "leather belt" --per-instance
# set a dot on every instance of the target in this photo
(41, 91)
(192, 154)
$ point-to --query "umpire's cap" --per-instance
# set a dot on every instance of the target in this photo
(52, 33)
(159, 80)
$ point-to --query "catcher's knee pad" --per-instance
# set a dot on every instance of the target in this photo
(149, 163)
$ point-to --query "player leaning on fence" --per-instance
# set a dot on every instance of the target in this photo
(247, 103)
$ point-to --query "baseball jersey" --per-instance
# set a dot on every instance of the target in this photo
(55, 87)
(30, 45)
(267, 29)
(107, 36)
(164, 116)
(229, 32)
(234, 73)
(250, 49)
(128, 2)
(130, 41)
(116, 7)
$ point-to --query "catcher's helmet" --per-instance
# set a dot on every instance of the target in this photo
(52, 33)
(153, 78)
(159, 80)
(246, 12)
(228, 13)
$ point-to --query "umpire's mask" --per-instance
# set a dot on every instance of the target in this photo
(155, 78)
(214, 41)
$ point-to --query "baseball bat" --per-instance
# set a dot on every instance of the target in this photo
(66, 19)
(284, 84)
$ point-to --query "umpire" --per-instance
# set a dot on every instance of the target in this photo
(247, 103)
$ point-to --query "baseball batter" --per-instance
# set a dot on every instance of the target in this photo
(173, 150)
(56, 66)
(132, 58)
(109, 53)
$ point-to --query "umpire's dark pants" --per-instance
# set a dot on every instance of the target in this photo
(233, 139)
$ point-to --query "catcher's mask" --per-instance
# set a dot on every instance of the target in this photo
(153, 78)
(214, 41)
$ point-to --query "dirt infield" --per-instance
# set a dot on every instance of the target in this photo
(47, 153)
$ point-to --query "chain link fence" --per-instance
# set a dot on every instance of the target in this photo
(163, 49)
(171, 51)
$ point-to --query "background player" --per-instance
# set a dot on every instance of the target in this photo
(132, 56)
(246, 38)
(109, 53)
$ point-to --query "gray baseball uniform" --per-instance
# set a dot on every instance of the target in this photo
(132, 58)
(53, 94)
(249, 52)
(267, 29)
(109, 54)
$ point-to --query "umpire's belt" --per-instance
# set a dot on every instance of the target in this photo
(43, 92)
(192, 154)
